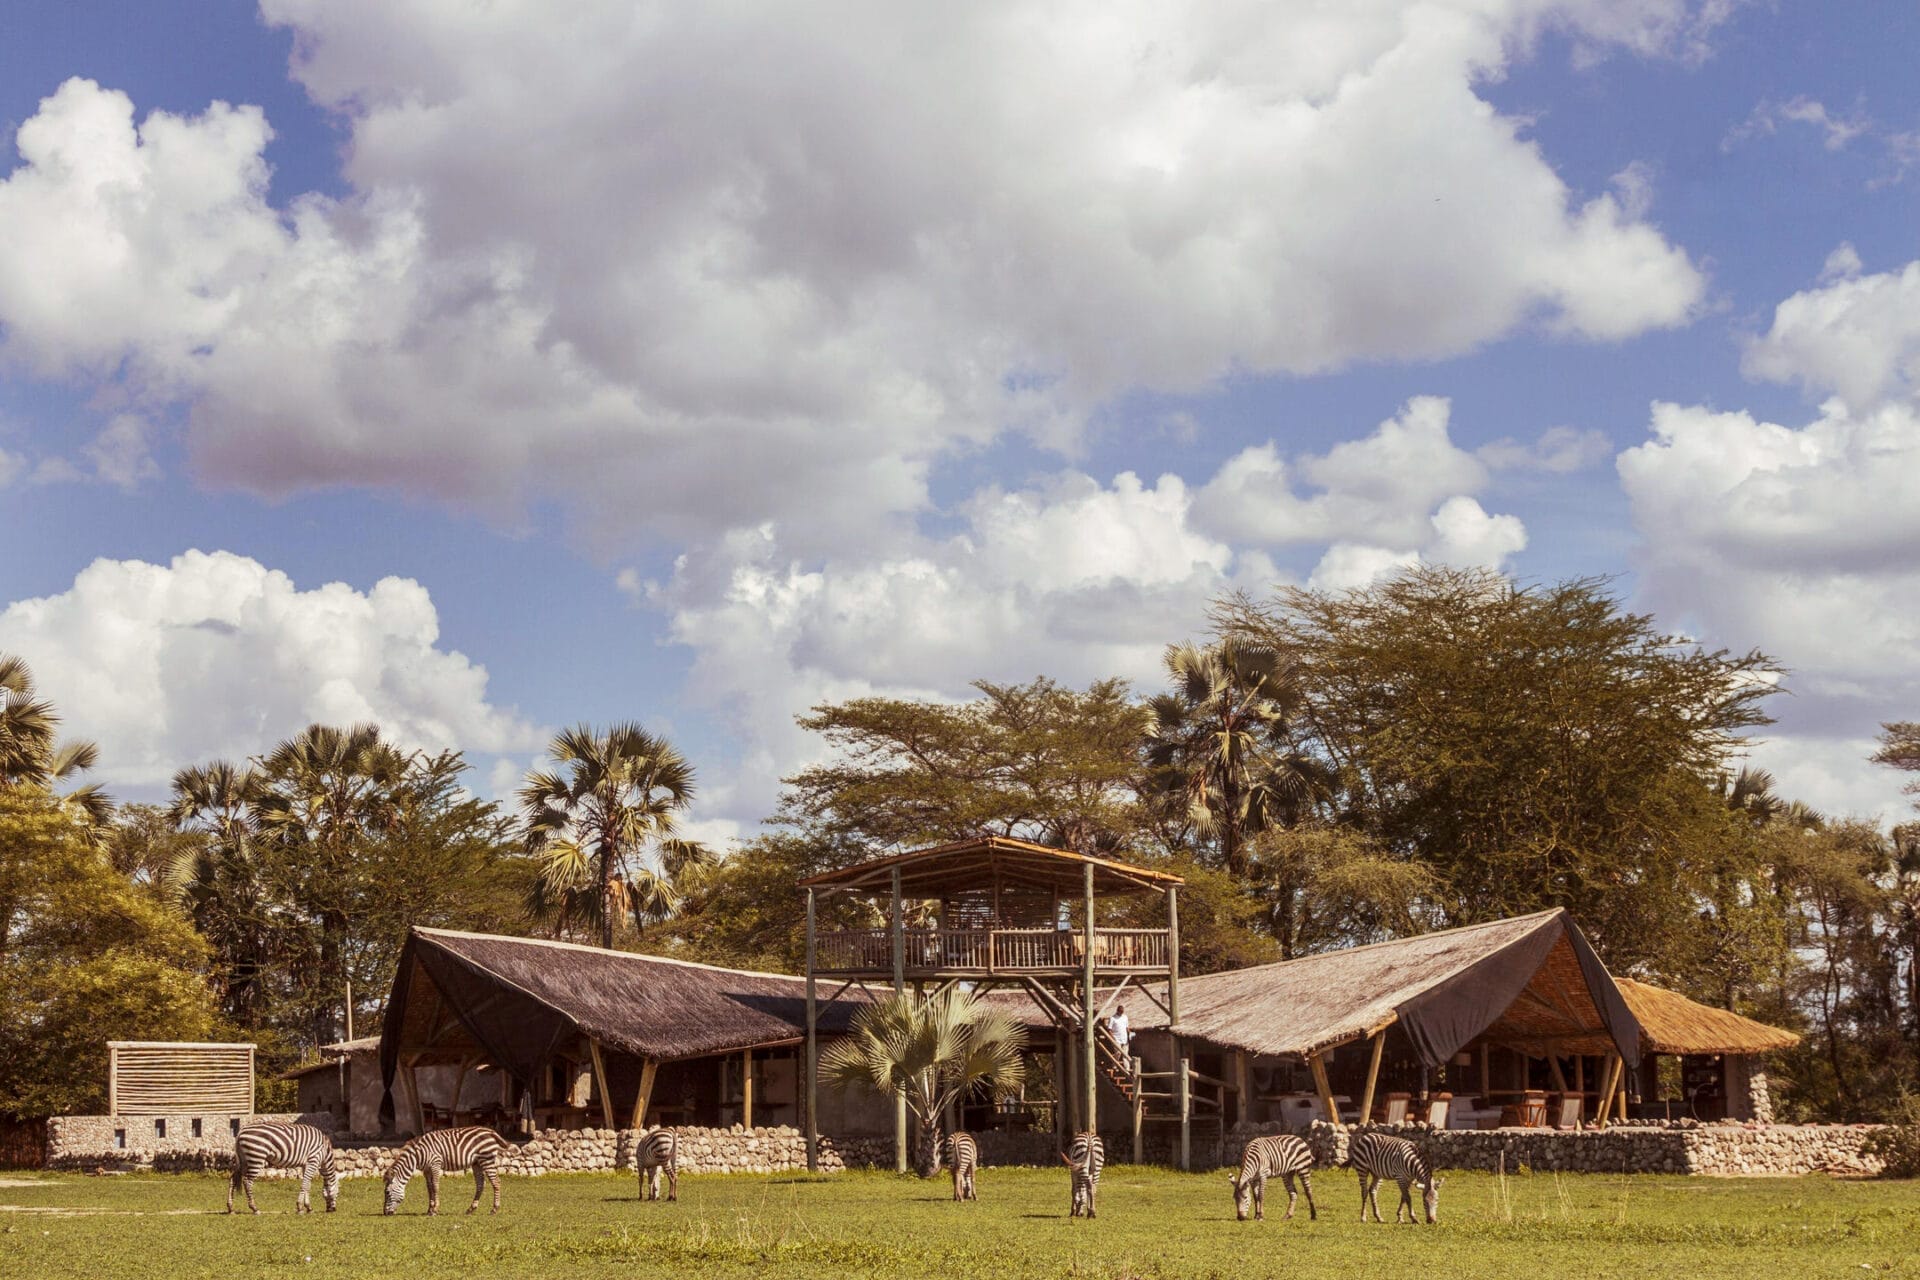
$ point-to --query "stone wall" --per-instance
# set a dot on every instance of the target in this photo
(135, 1142)
(1664, 1147)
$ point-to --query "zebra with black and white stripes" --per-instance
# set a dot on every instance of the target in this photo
(447, 1151)
(657, 1152)
(963, 1153)
(1280, 1155)
(274, 1145)
(1085, 1156)
(1377, 1156)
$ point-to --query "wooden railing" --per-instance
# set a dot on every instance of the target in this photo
(989, 950)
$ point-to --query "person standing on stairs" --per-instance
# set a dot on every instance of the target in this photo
(1118, 1030)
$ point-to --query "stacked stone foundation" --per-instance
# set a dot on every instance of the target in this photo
(1682, 1147)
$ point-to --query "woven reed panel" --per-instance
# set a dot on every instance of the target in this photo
(152, 1078)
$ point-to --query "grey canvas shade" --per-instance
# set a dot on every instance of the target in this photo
(1531, 982)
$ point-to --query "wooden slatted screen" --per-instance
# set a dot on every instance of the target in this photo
(162, 1078)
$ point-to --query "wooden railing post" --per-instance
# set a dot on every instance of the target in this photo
(1319, 1065)
(813, 1049)
(1139, 1111)
(1183, 1098)
(899, 990)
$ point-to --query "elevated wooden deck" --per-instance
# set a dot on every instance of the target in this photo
(987, 953)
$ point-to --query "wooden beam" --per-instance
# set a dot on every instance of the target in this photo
(1486, 1072)
(1173, 956)
(1090, 1069)
(899, 989)
(649, 1070)
(746, 1088)
(459, 1080)
(1325, 1090)
(1608, 1077)
(600, 1081)
(1183, 1086)
(812, 1050)
(1373, 1077)
(1241, 1087)
(1559, 1077)
(418, 1113)
(1139, 1113)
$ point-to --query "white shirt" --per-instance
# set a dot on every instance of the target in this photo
(1117, 1028)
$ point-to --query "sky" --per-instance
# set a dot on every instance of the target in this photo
(482, 369)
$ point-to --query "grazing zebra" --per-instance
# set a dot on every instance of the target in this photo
(1085, 1155)
(658, 1150)
(1375, 1156)
(446, 1151)
(1282, 1155)
(964, 1154)
(260, 1147)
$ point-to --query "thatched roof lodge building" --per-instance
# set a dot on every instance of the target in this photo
(601, 1038)
(1720, 1073)
(1511, 1022)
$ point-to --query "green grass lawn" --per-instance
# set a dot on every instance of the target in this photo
(1152, 1224)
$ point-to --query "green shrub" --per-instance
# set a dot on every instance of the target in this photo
(1899, 1143)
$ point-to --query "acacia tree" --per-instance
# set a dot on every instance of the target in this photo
(934, 1052)
(1038, 761)
(1531, 746)
(604, 832)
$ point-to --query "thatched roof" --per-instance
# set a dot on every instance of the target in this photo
(1671, 1023)
(517, 1000)
(980, 861)
(1531, 982)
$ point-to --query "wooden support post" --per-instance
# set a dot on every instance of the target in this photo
(1609, 1076)
(1486, 1074)
(600, 1081)
(459, 1080)
(1559, 1076)
(813, 1049)
(1319, 1065)
(1242, 1093)
(1183, 1084)
(1065, 1122)
(416, 1112)
(1173, 957)
(1621, 1094)
(899, 990)
(746, 1088)
(1090, 1069)
(1373, 1075)
(1139, 1113)
(649, 1070)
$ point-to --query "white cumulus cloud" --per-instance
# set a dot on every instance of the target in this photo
(215, 655)
(758, 265)
(1805, 539)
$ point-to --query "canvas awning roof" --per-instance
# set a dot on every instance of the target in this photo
(1531, 982)
(980, 861)
(518, 1000)
(1671, 1023)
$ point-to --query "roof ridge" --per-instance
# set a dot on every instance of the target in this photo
(1390, 942)
(648, 957)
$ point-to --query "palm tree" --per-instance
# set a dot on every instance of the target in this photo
(30, 756)
(324, 794)
(934, 1052)
(1220, 744)
(218, 880)
(604, 832)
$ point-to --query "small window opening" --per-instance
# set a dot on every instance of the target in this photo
(120, 1139)
(234, 1124)
(159, 1128)
(196, 1126)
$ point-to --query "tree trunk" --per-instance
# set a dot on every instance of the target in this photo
(927, 1154)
